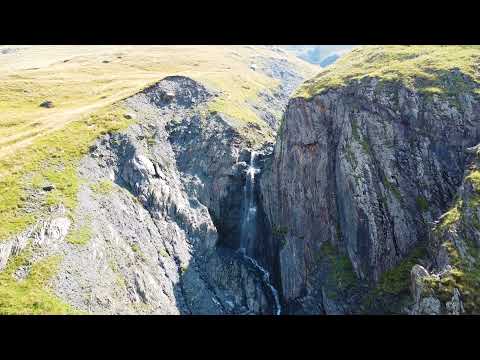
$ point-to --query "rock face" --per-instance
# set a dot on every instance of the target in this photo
(159, 213)
(453, 281)
(153, 239)
(366, 168)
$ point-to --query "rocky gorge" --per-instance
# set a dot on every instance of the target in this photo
(361, 198)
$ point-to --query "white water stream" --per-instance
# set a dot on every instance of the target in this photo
(249, 227)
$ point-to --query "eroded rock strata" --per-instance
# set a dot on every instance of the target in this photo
(364, 170)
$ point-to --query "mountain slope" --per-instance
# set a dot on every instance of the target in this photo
(370, 152)
(97, 182)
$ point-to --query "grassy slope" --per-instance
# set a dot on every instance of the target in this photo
(32, 294)
(423, 67)
(85, 83)
(43, 146)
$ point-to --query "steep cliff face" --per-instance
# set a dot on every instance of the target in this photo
(359, 173)
(451, 284)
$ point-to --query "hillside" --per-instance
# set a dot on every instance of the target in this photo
(424, 68)
(85, 83)
(231, 96)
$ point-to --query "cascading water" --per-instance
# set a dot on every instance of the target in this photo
(249, 220)
(249, 228)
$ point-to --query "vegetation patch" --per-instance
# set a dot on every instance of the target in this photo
(279, 230)
(392, 187)
(440, 70)
(103, 187)
(422, 203)
(30, 296)
(393, 288)
(341, 274)
(138, 252)
(350, 155)
(355, 132)
(474, 178)
(164, 253)
(51, 159)
(451, 217)
(80, 235)
(396, 281)
(365, 146)
(464, 275)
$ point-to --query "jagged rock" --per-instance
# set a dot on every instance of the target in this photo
(367, 168)
(153, 247)
(45, 236)
(427, 306)
(455, 305)
(454, 244)
(47, 104)
(417, 275)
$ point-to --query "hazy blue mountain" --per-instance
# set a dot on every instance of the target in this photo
(318, 54)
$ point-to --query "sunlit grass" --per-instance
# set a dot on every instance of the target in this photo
(419, 66)
(30, 296)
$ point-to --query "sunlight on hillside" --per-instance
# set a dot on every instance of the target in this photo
(422, 67)
(81, 79)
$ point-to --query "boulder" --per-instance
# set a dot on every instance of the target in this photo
(47, 104)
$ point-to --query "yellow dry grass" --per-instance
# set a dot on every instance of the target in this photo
(82, 79)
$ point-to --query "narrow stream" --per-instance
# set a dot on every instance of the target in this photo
(249, 228)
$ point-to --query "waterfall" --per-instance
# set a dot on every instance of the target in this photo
(249, 228)
(249, 222)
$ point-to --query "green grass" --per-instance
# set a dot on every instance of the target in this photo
(426, 68)
(393, 288)
(392, 187)
(80, 235)
(464, 275)
(422, 203)
(396, 281)
(474, 178)
(102, 187)
(50, 159)
(30, 295)
(341, 274)
(279, 230)
(451, 217)
(164, 253)
(136, 248)
(365, 146)
(138, 251)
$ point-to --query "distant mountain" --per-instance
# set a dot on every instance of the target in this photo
(329, 60)
(322, 55)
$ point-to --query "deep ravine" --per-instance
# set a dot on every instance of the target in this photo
(249, 232)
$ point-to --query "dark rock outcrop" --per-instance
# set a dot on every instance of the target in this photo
(453, 282)
(366, 168)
